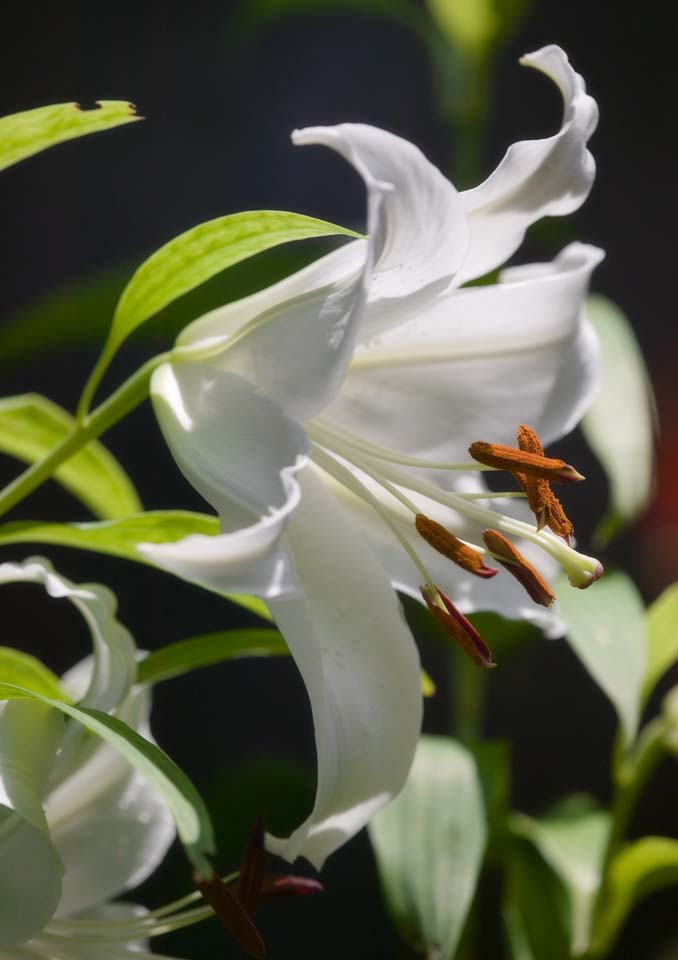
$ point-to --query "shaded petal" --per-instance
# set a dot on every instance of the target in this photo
(474, 363)
(114, 649)
(30, 879)
(361, 669)
(536, 178)
(241, 452)
(106, 821)
(421, 236)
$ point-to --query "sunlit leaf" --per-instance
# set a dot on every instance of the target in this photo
(201, 252)
(195, 652)
(429, 846)
(30, 425)
(619, 427)
(23, 670)
(23, 134)
(606, 629)
(574, 846)
(662, 637)
(641, 868)
(173, 786)
(119, 538)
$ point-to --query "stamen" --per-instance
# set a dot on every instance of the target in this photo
(438, 537)
(516, 564)
(231, 914)
(457, 626)
(546, 507)
(522, 461)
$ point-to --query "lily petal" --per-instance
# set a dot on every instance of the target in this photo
(30, 879)
(361, 669)
(474, 363)
(114, 648)
(241, 452)
(107, 823)
(536, 178)
(421, 236)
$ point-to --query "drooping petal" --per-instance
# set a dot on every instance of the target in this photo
(473, 364)
(114, 648)
(30, 879)
(536, 178)
(106, 822)
(361, 670)
(421, 236)
(241, 452)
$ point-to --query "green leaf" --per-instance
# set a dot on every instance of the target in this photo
(429, 846)
(186, 655)
(31, 425)
(201, 252)
(662, 637)
(476, 26)
(23, 134)
(619, 426)
(536, 908)
(119, 538)
(177, 791)
(23, 670)
(574, 846)
(606, 629)
(252, 15)
(637, 871)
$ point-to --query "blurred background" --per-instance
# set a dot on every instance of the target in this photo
(221, 85)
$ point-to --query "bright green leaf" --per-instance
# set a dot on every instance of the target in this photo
(662, 637)
(23, 670)
(23, 134)
(186, 655)
(177, 791)
(641, 868)
(606, 629)
(429, 846)
(119, 538)
(201, 252)
(476, 26)
(574, 846)
(30, 425)
(619, 427)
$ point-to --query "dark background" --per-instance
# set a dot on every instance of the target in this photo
(221, 98)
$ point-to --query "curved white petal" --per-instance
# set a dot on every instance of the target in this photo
(241, 452)
(30, 879)
(421, 236)
(106, 821)
(536, 178)
(361, 669)
(114, 648)
(472, 364)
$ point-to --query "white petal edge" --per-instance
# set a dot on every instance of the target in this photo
(536, 178)
(360, 666)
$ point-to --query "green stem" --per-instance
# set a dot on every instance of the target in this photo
(468, 698)
(128, 396)
(93, 382)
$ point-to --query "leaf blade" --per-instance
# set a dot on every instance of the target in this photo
(193, 653)
(662, 637)
(24, 134)
(31, 425)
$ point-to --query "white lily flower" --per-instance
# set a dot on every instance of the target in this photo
(319, 416)
(78, 826)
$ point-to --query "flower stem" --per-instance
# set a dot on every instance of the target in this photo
(467, 689)
(128, 396)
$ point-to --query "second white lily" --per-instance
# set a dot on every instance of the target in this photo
(320, 415)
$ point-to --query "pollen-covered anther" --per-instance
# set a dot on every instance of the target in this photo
(547, 508)
(516, 460)
(231, 914)
(457, 626)
(516, 564)
(438, 537)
